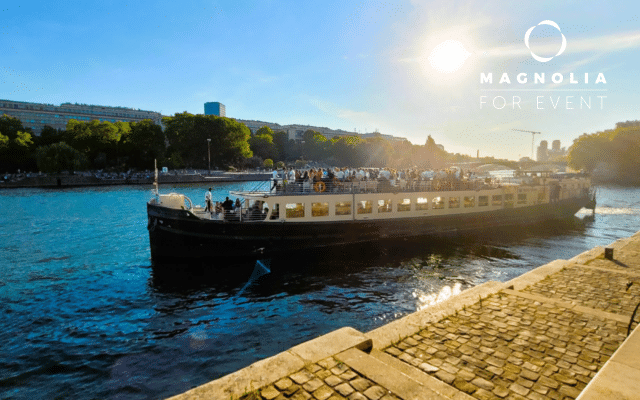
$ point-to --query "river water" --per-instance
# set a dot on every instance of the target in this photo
(85, 315)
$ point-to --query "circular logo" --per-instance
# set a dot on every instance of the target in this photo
(537, 57)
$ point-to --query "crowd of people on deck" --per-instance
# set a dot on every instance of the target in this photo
(326, 179)
(321, 179)
(230, 210)
(227, 206)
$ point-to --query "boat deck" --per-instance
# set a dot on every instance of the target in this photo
(369, 186)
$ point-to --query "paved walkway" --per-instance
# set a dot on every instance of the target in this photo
(544, 335)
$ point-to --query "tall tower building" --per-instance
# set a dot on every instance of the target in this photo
(543, 151)
(215, 108)
(556, 153)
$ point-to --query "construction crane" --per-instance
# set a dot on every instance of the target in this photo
(533, 136)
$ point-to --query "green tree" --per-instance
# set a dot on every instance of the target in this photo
(588, 151)
(265, 130)
(187, 135)
(49, 135)
(10, 126)
(143, 143)
(374, 152)
(97, 140)
(316, 146)
(344, 150)
(58, 157)
(4, 142)
(618, 149)
(252, 162)
(124, 129)
(403, 152)
(268, 163)
(23, 139)
(285, 147)
(20, 150)
(16, 145)
(174, 160)
(430, 155)
(261, 143)
(625, 151)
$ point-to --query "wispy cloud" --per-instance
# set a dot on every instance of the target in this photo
(333, 110)
(601, 45)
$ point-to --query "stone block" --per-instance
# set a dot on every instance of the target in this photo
(501, 391)
(283, 383)
(312, 385)
(344, 389)
(375, 392)
(445, 376)
(360, 384)
(333, 380)
(301, 377)
(269, 392)
(518, 389)
(323, 393)
(291, 390)
(483, 384)
(324, 374)
(464, 386)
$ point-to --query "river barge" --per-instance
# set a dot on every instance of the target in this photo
(278, 220)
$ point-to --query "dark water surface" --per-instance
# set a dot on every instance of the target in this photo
(85, 315)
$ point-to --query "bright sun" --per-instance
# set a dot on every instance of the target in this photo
(448, 56)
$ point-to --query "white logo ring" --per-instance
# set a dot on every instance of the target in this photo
(545, 59)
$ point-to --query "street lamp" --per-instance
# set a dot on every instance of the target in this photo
(209, 153)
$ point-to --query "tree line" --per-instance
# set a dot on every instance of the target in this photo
(83, 145)
(184, 143)
(614, 153)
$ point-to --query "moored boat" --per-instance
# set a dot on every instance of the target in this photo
(279, 219)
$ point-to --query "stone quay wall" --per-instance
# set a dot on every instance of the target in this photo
(556, 332)
(64, 181)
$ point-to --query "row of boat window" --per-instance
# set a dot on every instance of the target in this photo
(321, 209)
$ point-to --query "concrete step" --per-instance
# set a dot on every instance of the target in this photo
(424, 379)
(400, 378)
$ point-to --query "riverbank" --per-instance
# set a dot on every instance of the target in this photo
(82, 180)
(558, 331)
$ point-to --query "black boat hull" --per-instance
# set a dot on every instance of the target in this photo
(178, 235)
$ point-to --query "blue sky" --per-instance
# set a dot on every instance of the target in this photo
(343, 65)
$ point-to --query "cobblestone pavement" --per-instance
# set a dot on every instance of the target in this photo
(507, 346)
(601, 289)
(328, 379)
(547, 341)
(625, 259)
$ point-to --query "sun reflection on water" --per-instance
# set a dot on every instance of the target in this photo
(427, 300)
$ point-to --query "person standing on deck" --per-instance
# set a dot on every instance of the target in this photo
(274, 175)
(207, 200)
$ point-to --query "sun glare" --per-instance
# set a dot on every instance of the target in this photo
(448, 56)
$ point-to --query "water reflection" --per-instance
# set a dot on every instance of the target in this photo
(421, 264)
(430, 299)
(79, 291)
(188, 278)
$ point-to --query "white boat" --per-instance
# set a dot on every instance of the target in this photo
(300, 216)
